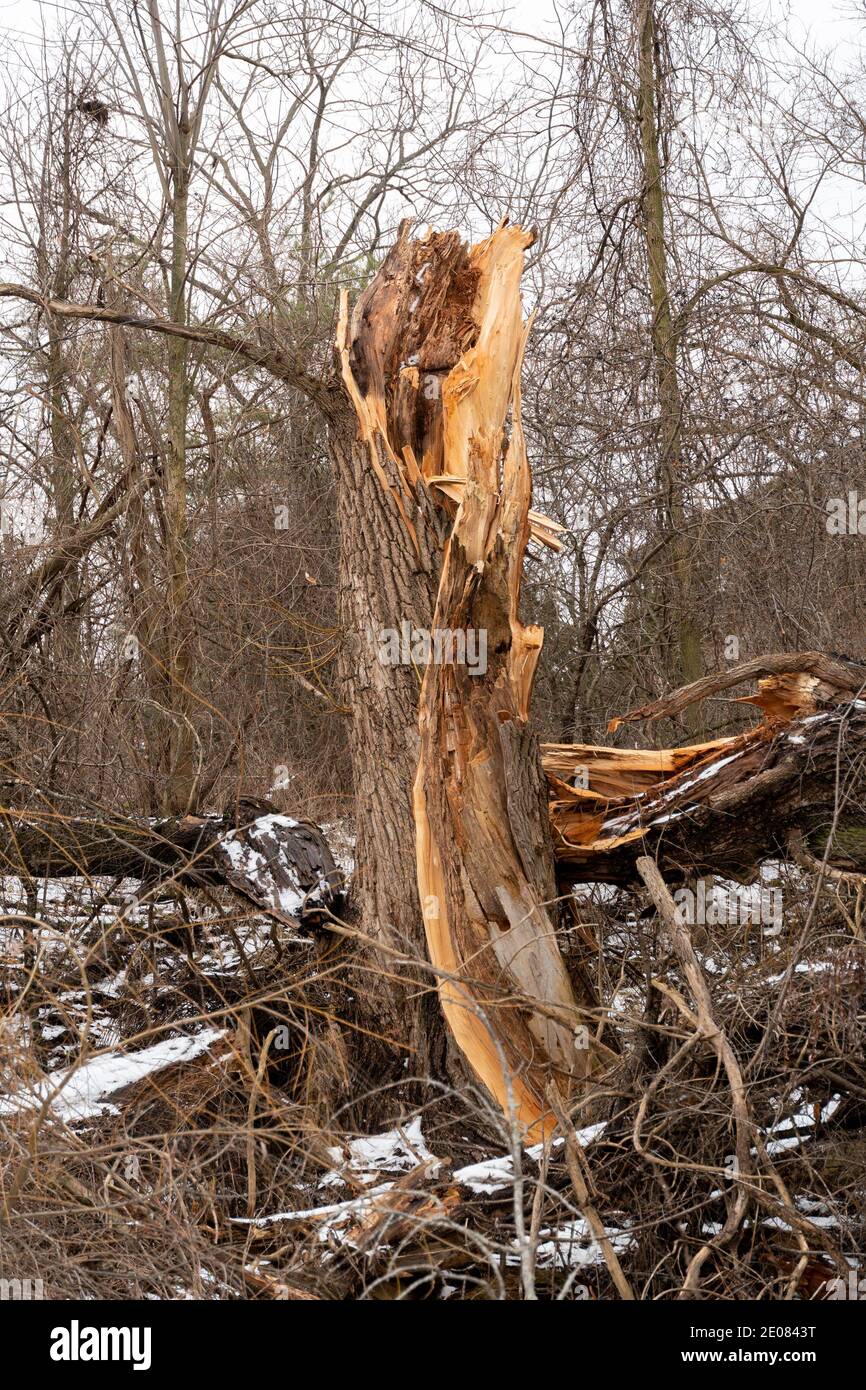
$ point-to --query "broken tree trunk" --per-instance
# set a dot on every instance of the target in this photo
(724, 806)
(431, 362)
(484, 862)
(404, 336)
(385, 582)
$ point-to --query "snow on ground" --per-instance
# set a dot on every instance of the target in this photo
(803, 967)
(801, 1123)
(368, 1159)
(572, 1245)
(80, 1093)
(378, 1161)
(494, 1174)
(365, 1159)
(333, 1218)
(365, 1170)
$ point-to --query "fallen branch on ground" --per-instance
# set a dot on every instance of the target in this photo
(283, 866)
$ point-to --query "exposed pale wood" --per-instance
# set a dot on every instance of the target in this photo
(679, 803)
(615, 772)
(712, 808)
(398, 349)
(483, 867)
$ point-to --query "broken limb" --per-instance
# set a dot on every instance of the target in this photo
(723, 806)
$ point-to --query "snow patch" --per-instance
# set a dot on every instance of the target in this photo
(81, 1091)
(368, 1157)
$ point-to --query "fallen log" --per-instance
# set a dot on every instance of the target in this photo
(282, 865)
(724, 806)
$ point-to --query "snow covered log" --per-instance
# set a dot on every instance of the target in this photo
(723, 806)
(282, 865)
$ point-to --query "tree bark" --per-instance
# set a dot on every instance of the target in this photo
(383, 584)
(680, 584)
(391, 535)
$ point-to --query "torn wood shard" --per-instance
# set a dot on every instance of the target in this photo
(481, 863)
(541, 528)
(789, 683)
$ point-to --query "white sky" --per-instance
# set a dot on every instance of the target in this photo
(832, 25)
(837, 27)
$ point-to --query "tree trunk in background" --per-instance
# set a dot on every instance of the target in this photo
(54, 270)
(179, 789)
(146, 618)
(678, 589)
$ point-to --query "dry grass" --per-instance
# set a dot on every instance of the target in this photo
(166, 1193)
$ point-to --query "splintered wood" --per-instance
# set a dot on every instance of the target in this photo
(716, 807)
(399, 351)
(432, 361)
